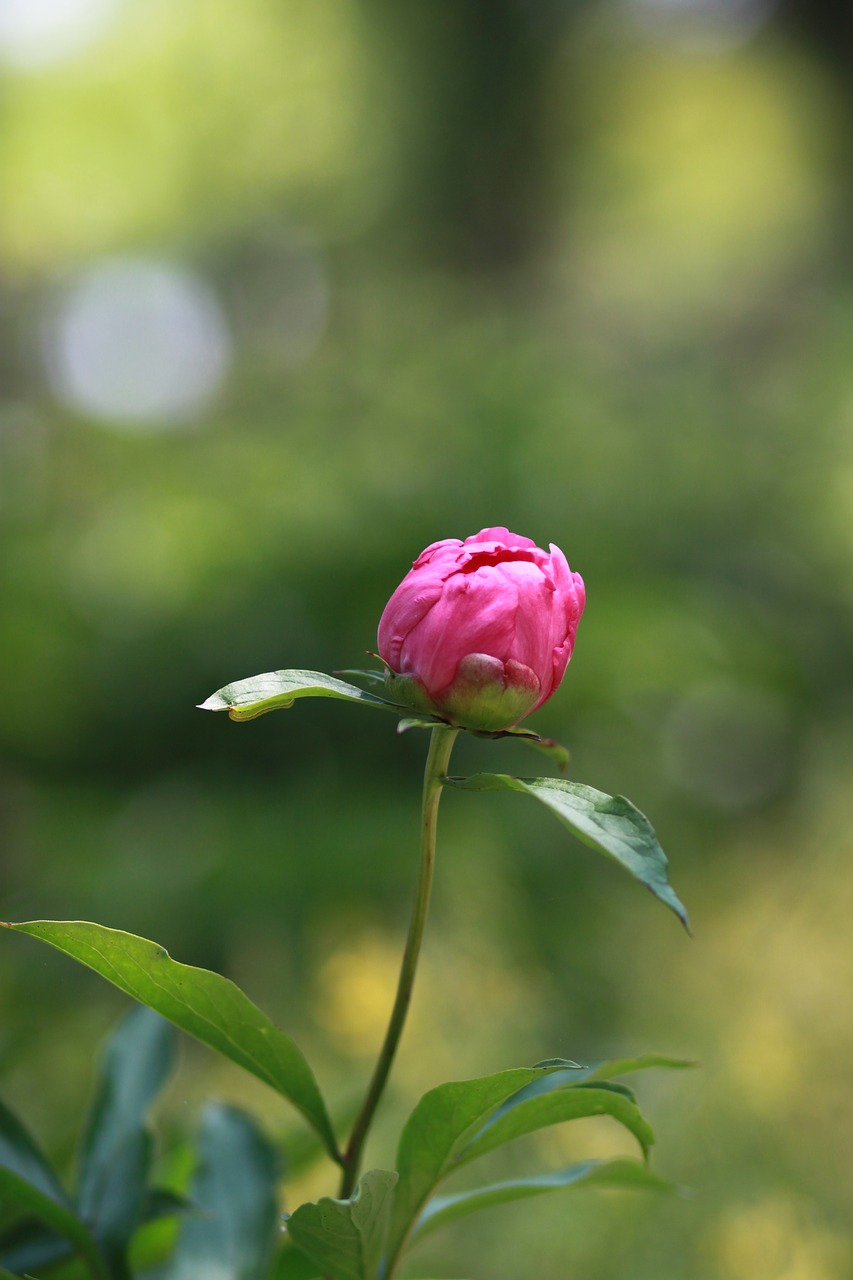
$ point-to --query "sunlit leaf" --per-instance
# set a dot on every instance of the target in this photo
(625, 1174)
(202, 1003)
(347, 1237)
(610, 824)
(277, 690)
(233, 1234)
(442, 1124)
(27, 1178)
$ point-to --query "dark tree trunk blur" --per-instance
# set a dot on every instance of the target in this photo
(475, 181)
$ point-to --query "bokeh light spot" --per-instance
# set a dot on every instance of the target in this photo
(37, 33)
(139, 343)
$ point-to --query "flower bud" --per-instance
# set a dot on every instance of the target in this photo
(480, 632)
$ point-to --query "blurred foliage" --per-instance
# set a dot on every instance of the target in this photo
(577, 269)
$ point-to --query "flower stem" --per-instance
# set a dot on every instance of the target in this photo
(440, 747)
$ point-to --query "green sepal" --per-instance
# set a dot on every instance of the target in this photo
(609, 824)
(200, 1002)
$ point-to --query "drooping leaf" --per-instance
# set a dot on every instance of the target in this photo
(609, 824)
(555, 1108)
(202, 1003)
(625, 1174)
(278, 690)
(346, 1238)
(442, 1124)
(233, 1234)
(26, 1177)
(116, 1150)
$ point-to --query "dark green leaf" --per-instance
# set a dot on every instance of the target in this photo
(442, 1124)
(610, 824)
(293, 1264)
(26, 1176)
(277, 690)
(203, 1003)
(32, 1249)
(116, 1151)
(554, 1108)
(233, 1234)
(346, 1238)
(626, 1174)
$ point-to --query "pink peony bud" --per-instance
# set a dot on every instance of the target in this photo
(480, 632)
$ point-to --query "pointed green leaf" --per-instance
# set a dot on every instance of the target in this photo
(610, 824)
(233, 1235)
(26, 1177)
(624, 1174)
(116, 1148)
(572, 1103)
(277, 690)
(442, 1124)
(347, 1237)
(202, 1003)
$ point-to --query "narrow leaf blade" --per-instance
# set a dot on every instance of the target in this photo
(234, 1187)
(609, 824)
(200, 1002)
(623, 1174)
(278, 690)
(346, 1238)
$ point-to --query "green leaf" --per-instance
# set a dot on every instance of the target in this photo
(442, 1124)
(346, 1238)
(202, 1003)
(233, 1235)
(610, 824)
(571, 1103)
(625, 1174)
(26, 1177)
(277, 690)
(116, 1150)
(293, 1264)
(624, 1066)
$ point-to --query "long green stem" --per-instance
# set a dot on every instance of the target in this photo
(440, 747)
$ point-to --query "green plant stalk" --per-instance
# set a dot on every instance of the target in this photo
(440, 747)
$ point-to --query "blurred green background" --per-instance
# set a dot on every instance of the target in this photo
(290, 289)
